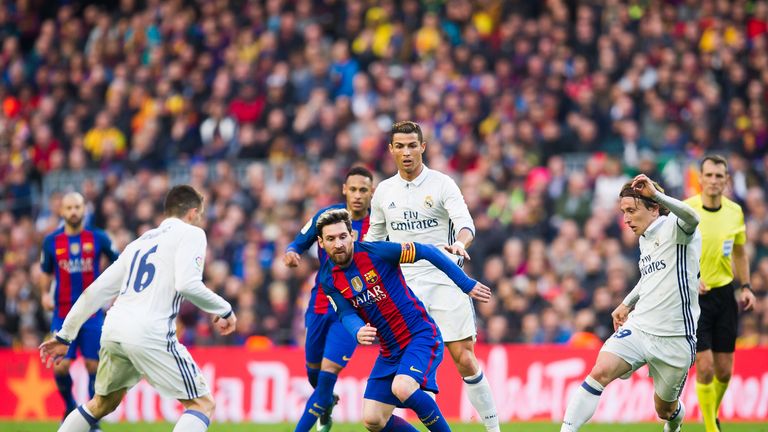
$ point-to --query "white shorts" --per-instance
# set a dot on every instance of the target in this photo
(168, 367)
(448, 305)
(668, 357)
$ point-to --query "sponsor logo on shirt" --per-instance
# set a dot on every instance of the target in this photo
(648, 266)
(368, 297)
(412, 222)
(391, 205)
(76, 265)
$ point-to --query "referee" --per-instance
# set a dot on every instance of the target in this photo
(724, 278)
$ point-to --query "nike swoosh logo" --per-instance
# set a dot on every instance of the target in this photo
(413, 369)
(345, 358)
(317, 406)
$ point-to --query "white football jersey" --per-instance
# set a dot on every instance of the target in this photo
(149, 281)
(668, 302)
(430, 209)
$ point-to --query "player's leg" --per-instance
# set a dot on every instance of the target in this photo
(170, 369)
(89, 347)
(705, 369)
(669, 360)
(416, 374)
(64, 381)
(114, 377)
(314, 343)
(87, 416)
(724, 345)
(321, 399)
(621, 354)
(454, 314)
(197, 414)
(377, 416)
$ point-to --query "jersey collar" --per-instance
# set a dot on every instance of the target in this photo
(654, 225)
(418, 180)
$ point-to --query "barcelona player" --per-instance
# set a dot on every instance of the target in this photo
(72, 255)
(366, 287)
(328, 346)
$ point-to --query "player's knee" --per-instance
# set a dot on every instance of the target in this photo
(403, 387)
(374, 421)
(723, 376)
(665, 411)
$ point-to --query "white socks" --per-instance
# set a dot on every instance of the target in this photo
(479, 394)
(79, 420)
(583, 405)
(676, 420)
(192, 421)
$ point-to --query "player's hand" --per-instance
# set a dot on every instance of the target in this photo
(643, 186)
(52, 352)
(620, 315)
(457, 249)
(747, 299)
(227, 325)
(291, 259)
(366, 335)
(481, 293)
(703, 288)
(47, 301)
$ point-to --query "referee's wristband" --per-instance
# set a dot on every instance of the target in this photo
(747, 286)
(62, 340)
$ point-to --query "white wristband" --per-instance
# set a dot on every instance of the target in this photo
(460, 243)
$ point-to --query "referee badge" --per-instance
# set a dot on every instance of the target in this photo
(357, 284)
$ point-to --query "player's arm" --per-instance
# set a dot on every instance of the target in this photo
(47, 260)
(458, 212)
(621, 313)
(302, 242)
(688, 219)
(411, 252)
(105, 288)
(741, 269)
(108, 247)
(190, 256)
(364, 333)
(377, 226)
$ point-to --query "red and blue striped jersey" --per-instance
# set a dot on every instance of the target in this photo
(373, 287)
(74, 262)
(318, 302)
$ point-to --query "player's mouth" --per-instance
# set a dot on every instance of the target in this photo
(407, 162)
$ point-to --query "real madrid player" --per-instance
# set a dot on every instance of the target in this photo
(656, 322)
(422, 205)
(149, 280)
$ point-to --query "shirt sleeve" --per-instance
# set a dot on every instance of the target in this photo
(190, 256)
(377, 227)
(47, 257)
(108, 247)
(741, 233)
(454, 203)
(103, 289)
(306, 236)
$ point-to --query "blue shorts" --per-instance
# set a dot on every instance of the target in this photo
(419, 361)
(88, 340)
(327, 338)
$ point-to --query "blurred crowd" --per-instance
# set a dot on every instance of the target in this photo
(540, 110)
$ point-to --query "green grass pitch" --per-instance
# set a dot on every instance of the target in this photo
(350, 427)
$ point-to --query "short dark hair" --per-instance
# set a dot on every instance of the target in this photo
(627, 191)
(361, 171)
(715, 159)
(333, 217)
(181, 199)
(405, 127)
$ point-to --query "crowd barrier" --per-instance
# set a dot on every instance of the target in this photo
(529, 383)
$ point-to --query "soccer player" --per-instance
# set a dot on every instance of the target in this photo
(328, 346)
(366, 287)
(149, 280)
(423, 205)
(722, 257)
(656, 322)
(72, 255)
